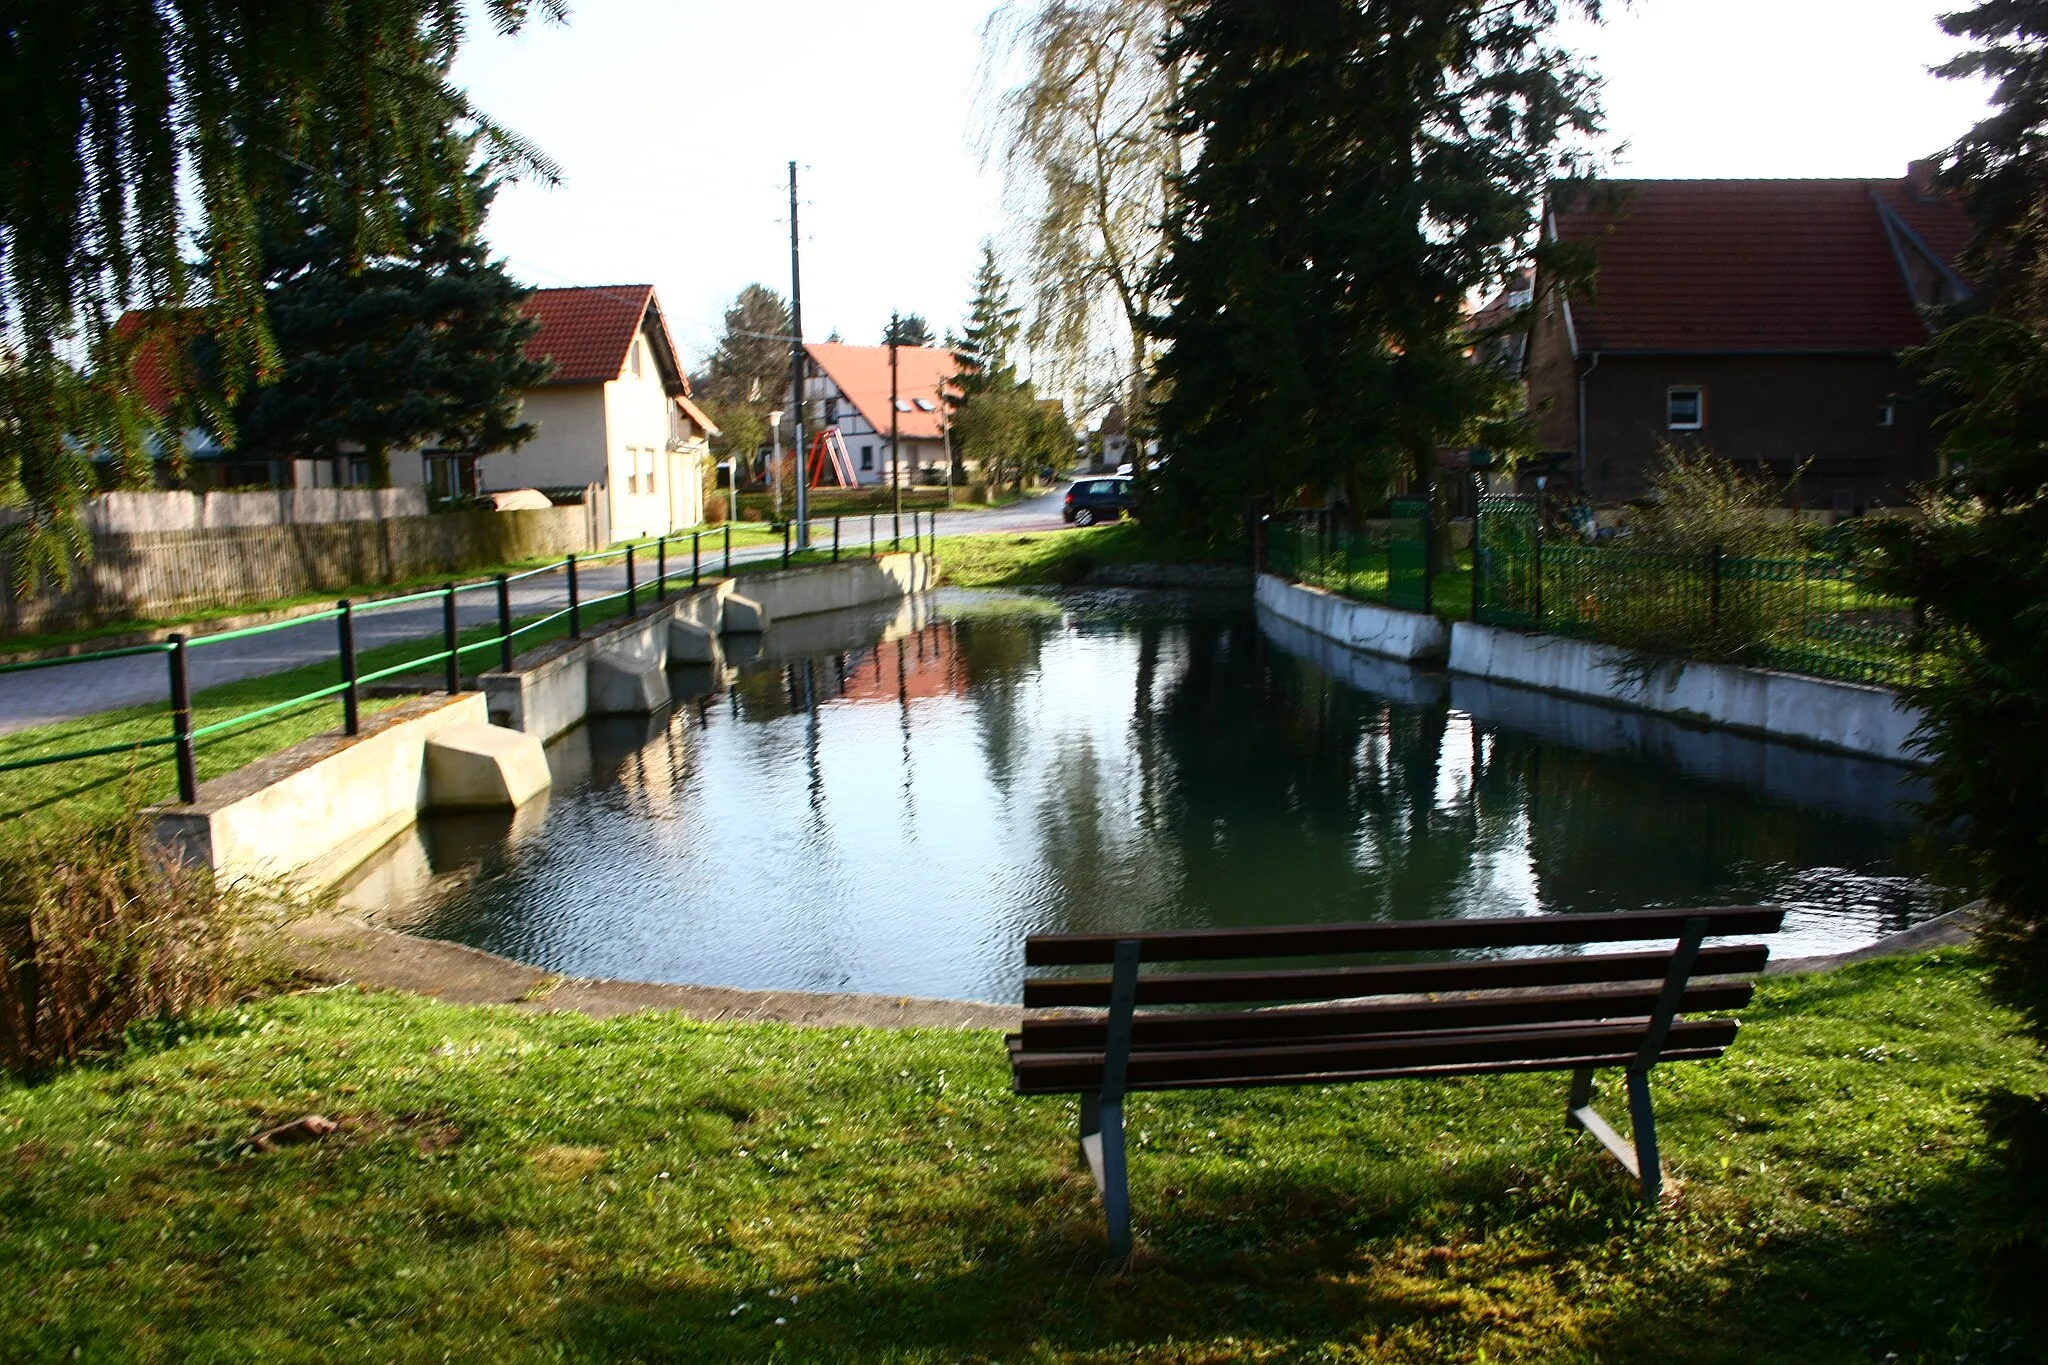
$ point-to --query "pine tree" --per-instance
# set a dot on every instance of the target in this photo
(981, 353)
(424, 343)
(1364, 167)
(748, 373)
(910, 330)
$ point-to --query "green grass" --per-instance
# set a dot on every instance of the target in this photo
(509, 1187)
(1065, 556)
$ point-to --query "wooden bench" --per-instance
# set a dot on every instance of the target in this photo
(1317, 1024)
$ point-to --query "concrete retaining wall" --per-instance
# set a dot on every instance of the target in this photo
(310, 812)
(551, 689)
(1844, 717)
(1392, 634)
(162, 572)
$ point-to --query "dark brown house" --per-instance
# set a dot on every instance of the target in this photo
(1758, 319)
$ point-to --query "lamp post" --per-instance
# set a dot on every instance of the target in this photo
(775, 457)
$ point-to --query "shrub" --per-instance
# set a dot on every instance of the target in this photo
(98, 931)
(714, 509)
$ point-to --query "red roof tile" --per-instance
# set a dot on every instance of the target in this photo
(1751, 265)
(585, 331)
(862, 374)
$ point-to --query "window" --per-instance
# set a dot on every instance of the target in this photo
(831, 411)
(1685, 409)
(903, 405)
(633, 358)
(1885, 414)
(647, 469)
(867, 457)
(923, 404)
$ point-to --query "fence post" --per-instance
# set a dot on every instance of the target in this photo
(1478, 563)
(1428, 546)
(450, 639)
(351, 717)
(575, 606)
(504, 623)
(1714, 590)
(632, 587)
(871, 535)
(1537, 541)
(785, 544)
(661, 568)
(835, 537)
(181, 723)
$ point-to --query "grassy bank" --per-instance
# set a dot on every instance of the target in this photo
(514, 1187)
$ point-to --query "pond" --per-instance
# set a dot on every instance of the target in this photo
(889, 801)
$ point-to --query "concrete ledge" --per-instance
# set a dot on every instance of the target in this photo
(484, 767)
(1844, 717)
(1380, 676)
(279, 816)
(743, 616)
(624, 686)
(691, 643)
(1410, 635)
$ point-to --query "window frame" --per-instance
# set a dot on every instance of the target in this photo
(1699, 410)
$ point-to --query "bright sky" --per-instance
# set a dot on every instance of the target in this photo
(674, 121)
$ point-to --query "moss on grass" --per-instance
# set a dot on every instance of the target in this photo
(514, 1187)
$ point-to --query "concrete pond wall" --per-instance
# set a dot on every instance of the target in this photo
(1870, 722)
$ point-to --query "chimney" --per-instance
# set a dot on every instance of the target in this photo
(1920, 178)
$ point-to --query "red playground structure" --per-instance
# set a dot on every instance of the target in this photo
(828, 453)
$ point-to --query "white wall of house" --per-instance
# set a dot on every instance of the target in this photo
(568, 446)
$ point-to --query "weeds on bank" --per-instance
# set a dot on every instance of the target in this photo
(507, 1186)
(99, 931)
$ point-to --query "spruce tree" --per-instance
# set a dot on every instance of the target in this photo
(981, 353)
(422, 344)
(1365, 166)
(748, 373)
(910, 330)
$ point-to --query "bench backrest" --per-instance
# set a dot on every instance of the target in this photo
(1321, 1021)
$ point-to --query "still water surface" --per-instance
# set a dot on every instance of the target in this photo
(889, 801)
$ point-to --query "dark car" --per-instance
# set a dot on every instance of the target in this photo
(1093, 500)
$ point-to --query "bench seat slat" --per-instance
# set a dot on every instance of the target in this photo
(1161, 1069)
(1395, 936)
(1342, 983)
(1235, 1027)
(1044, 1086)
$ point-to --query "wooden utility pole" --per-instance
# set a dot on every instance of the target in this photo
(796, 373)
(895, 455)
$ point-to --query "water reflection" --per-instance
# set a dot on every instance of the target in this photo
(890, 800)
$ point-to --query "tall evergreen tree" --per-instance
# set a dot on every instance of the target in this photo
(1365, 166)
(1977, 561)
(423, 343)
(748, 373)
(133, 128)
(982, 351)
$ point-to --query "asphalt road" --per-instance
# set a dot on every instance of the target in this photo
(67, 692)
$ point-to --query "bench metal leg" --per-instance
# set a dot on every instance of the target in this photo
(1114, 1179)
(1091, 1135)
(1643, 1122)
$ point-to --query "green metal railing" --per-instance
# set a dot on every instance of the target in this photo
(668, 570)
(1384, 560)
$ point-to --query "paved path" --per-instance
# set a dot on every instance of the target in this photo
(66, 692)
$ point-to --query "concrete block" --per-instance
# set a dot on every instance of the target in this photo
(624, 686)
(1385, 631)
(690, 643)
(484, 767)
(743, 616)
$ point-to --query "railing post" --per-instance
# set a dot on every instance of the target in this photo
(871, 535)
(181, 723)
(696, 557)
(575, 606)
(504, 623)
(632, 587)
(661, 568)
(1428, 547)
(835, 537)
(728, 549)
(351, 715)
(785, 544)
(450, 639)
(1478, 563)
(1714, 591)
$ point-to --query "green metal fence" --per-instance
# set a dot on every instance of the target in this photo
(1813, 615)
(1384, 560)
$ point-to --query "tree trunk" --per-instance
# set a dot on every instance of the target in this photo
(380, 465)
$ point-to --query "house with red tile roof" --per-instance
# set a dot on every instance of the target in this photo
(1758, 319)
(848, 387)
(615, 411)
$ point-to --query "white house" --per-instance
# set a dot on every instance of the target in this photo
(615, 412)
(848, 387)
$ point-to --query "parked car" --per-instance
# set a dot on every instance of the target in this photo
(1093, 500)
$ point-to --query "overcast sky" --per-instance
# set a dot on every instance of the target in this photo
(674, 121)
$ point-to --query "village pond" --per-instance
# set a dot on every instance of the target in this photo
(889, 801)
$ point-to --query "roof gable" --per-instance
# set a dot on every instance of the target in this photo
(862, 374)
(585, 332)
(1753, 265)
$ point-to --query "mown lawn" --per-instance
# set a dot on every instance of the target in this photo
(510, 1187)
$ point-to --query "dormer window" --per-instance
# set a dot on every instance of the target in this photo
(923, 404)
(903, 405)
(1685, 409)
